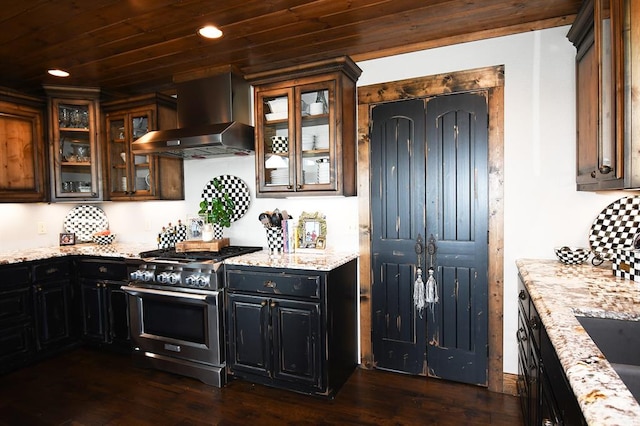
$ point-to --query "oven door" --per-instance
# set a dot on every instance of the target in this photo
(177, 324)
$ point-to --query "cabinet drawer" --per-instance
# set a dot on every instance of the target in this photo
(15, 276)
(103, 269)
(52, 270)
(275, 283)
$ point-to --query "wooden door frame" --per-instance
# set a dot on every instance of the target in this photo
(490, 80)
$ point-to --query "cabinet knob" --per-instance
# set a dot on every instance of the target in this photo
(521, 335)
(534, 322)
(593, 174)
(522, 295)
(273, 304)
(604, 169)
(269, 284)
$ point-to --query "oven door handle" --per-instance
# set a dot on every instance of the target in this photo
(140, 291)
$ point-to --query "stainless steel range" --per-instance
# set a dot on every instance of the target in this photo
(176, 310)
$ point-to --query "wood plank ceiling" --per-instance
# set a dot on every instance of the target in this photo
(139, 46)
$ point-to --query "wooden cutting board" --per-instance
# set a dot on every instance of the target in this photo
(199, 245)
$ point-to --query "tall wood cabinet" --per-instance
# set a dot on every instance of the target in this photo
(74, 154)
(306, 129)
(139, 177)
(22, 156)
(607, 40)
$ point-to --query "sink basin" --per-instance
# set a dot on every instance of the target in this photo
(619, 341)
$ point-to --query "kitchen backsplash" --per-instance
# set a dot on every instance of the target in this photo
(142, 221)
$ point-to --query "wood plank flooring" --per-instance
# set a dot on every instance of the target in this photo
(90, 387)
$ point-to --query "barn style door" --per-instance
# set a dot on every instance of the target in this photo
(429, 179)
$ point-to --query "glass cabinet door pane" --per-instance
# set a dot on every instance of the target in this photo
(277, 146)
(315, 138)
(118, 155)
(141, 163)
(74, 149)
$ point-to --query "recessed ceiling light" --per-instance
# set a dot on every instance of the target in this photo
(58, 73)
(210, 31)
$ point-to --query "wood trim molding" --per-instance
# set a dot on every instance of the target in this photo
(491, 80)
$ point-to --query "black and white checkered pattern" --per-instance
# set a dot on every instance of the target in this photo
(181, 232)
(615, 227)
(279, 144)
(237, 190)
(85, 221)
(274, 239)
(626, 264)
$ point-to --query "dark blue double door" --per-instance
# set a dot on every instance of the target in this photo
(429, 177)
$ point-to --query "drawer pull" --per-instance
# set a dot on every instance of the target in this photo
(269, 284)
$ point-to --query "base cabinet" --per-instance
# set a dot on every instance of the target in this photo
(16, 328)
(105, 315)
(545, 394)
(53, 304)
(292, 329)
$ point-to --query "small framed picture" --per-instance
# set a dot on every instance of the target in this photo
(67, 238)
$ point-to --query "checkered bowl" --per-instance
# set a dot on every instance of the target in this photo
(104, 239)
(572, 255)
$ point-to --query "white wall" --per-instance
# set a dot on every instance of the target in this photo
(542, 207)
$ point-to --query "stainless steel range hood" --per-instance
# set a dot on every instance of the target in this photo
(214, 116)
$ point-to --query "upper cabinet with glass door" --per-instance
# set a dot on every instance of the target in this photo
(74, 154)
(131, 176)
(607, 64)
(306, 129)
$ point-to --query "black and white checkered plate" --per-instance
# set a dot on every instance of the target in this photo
(85, 221)
(237, 190)
(615, 227)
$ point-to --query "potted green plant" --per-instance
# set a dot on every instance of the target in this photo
(219, 210)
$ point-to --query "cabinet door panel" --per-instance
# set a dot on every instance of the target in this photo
(93, 323)
(53, 302)
(295, 340)
(118, 313)
(248, 334)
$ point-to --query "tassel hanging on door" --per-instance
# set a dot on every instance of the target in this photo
(431, 292)
(419, 292)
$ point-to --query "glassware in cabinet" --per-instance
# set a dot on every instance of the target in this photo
(74, 155)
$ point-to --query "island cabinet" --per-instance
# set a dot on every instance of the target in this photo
(292, 329)
(545, 394)
(53, 297)
(131, 177)
(607, 77)
(16, 317)
(105, 315)
(74, 155)
(22, 156)
(306, 129)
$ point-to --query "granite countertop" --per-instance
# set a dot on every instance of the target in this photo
(325, 261)
(126, 250)
(559, 293)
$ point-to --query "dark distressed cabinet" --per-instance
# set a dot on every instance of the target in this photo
(293, 329)
(53, 304)
(105, 316)
(16, 320)
(545, 394)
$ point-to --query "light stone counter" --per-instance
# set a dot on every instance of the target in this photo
(326, 261)
(559, 293)
(126, 250)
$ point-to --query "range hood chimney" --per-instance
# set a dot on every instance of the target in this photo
(214, 116)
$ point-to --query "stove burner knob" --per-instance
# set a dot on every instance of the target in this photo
(203, 281)
(136, 275)
(146, 275)
(163, 277)
(191, 280)
(173, 278)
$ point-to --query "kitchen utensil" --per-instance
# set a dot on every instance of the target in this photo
(572, 255)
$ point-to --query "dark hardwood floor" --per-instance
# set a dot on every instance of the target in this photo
(89, 387)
